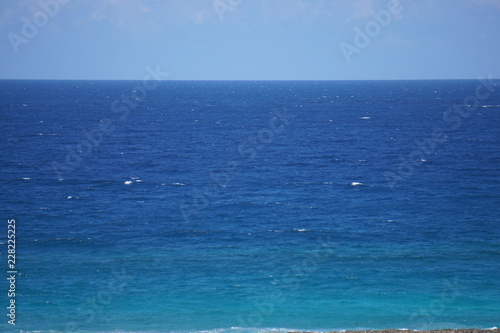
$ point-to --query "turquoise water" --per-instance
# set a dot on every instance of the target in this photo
(251, 206)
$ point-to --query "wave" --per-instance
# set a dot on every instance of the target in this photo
(285, 330)
(482, 106)
(216, 330)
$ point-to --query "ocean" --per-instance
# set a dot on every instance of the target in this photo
(250, 206)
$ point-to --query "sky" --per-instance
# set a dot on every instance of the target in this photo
(250, 39)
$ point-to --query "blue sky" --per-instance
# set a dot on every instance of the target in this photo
(249, 39)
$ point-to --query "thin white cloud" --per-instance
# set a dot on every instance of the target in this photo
(6, 17)
(134, 16)
(141, 15)
(495, 3)
(98, 15)
(143, 8)
(395, 41)
(312, 10)
(199, 17)
(362, 9)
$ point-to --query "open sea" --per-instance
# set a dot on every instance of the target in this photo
(250, 206)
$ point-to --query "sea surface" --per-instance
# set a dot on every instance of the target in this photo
(250, 206)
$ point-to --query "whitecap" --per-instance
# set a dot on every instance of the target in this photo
(481, 106)
(49, 134)
(365, 118)
(356, 184)
(178, 184)
(128, 182)
(26, 178)
(299, 230)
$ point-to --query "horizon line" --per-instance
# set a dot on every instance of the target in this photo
(247, 80)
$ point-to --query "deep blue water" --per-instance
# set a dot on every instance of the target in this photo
(251, 206)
